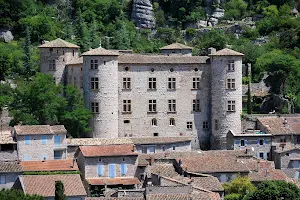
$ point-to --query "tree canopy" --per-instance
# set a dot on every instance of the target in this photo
(17, 195)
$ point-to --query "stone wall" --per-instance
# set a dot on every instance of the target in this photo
(142, 14)
(75, 76)
(139, 94)
(179, 146)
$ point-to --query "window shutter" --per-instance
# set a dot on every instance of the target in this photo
(123, 169)
(246, 142)
(264, 141)
(44, 139)
(100, 169)
(258, 142)
(27, 139)
(265, 156)
(297, 174)
(257, 154)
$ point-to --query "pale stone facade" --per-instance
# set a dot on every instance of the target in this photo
(163, 95)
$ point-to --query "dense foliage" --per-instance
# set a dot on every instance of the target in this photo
(59, 191)
(237, 188)
(17, 195)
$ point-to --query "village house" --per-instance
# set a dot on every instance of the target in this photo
(109, 166)
(8, 148)
(40, 142)
(257, 143)
(9, 172)
(44, 185)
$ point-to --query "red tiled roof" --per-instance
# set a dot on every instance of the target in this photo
(39, 129)
(264, 175)
(44, 185)
(49, 165)
(210, 183)
(168, 196)
(278, 126)
(113, 181)
(108, 150)
(6, 167)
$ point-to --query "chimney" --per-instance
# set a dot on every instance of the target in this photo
(133, 148)
(211, 51)
(152, 161)
(285, 123)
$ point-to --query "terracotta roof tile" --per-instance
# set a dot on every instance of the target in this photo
(39, 129)
(99, 52)
(161, 59)
(278, 126)
(115, 198)
(44, 185)
(160, 140)
(108, 150)
(210, 183)
(175, 46)
(264, 175)
(97, 141)
(168, 196)
(76, 61)
(49, 165)
(113, 181)
(6, 167)
(202, 195)
(59, 43)
(227, 52)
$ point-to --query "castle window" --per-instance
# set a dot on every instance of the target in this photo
(196, 83)
(172, 122)
(126, 68)
(205, 126)
(95, 107)
(196, 69)
(152, 83)
(126, 121)
(172, 105)
(155, 134)
(52, 65)
(94, 64)
(126, 106)
(126, 83)
(154, 122)
(73, 53)
(196, 105)
(152, 106)
(230, 83)
(189, 125)
(152, 69)
(94, 83)
(216, 124)
(231, 106)
(171, 83)
(104, 62)
(230, 66)
(172, 70)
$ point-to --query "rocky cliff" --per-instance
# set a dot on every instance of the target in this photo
(142, 14)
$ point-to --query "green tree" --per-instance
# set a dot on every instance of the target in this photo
(121, 37)
(95, 36)
(59, 191)
(240, 186)
(274, 190)
(235, 9)
(28, 71)
(6, 95)
(75, 116)
(81, 31)
(214, 38)
(17, 195)
(271, 11)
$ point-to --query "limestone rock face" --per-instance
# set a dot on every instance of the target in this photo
(142, 14)
(6, 35)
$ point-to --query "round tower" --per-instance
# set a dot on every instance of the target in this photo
(53, 58)
(100, 88)
(226, 95)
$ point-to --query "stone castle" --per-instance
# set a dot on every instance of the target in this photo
(147, 95)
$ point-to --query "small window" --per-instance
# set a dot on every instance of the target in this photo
(73, 53)
(171, 83)
(261, 142)
(172, 122)
(196, 105)
(155, 134)
(174, 147)
(57, 51)
(216, 124)
(52, 65)
(100, 169)
(230, 84)
(196, 69)
(261, 155)
(189, 125)
(172, 105)
(242, 143)
(94, 83)
(100, 159)
(231, 106)
(94, 64)
(26, 157)
(104, 62)
(123, 159)
(152, 70)
(152, 83)
(154, 122)
(126, 106)
(196, 83)
(287, 154)
(2, 179)
(230, 66)
(172, 70)
(44, 139)
(205, 126)
(152, 106)
(126, 83)
(127, 69)
(163, 148)
(95, 107)
(27, 140)
(126, 121)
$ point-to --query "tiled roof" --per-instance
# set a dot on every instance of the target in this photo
(257, 89)
(97, 141)
(264, 175)
(168, 196)
(6, 167)
(278, 126)
(202, 195)
(59, 43)
(39, 129)
(175, 46)
(227, 52)
(160, 59)
(108, 150)
(99, 52)
(160, 140)
(44, 185)
(115, 198)
(113, 181)
(76, 61)
(210, 183)
(6, 139)
(213, 164)
(49, 165)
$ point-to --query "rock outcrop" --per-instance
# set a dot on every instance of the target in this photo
(142, 14)
(6, 35)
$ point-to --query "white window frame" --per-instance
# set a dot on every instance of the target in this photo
(230, 66)
(126, 106)
(171, 83)
(154, 122)
(230, 83)
(172, 122)
(152, 83)
(152, 106)
(126, 83)
(172, 105)
(94, 83)
(196, 105)
(196, 83)
(231, 106)
(95, 107)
